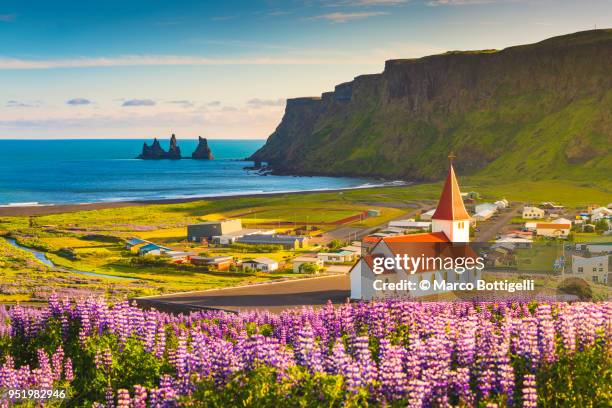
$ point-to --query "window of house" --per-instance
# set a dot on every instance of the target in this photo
(595, 279)
(580, 269)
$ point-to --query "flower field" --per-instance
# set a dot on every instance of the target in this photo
(377, 354)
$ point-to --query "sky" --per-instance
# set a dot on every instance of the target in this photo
(224, 69)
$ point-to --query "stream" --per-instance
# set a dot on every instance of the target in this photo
(42, 257)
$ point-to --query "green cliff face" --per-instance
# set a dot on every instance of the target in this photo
(538, 111)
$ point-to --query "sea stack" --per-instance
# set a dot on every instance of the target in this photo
(174, 152)
(202, 152)
(155, 151)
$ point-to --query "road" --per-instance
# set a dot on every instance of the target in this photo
(272, 296)
(489, 229)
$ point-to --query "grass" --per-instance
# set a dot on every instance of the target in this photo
(166, 224)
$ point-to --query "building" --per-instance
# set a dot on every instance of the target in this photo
(411, 225)
(209, 229)
(598, 248)
(484, 215)
(450, 225)
(426, 216)
(132, 242)
(286, 241)
(533, 213)
(230, 238)
(595, 268)
(177, 256)
(373, 213)
(517, 241)
(561, 221)
(502, 204)
(485, 207)
(336, 257)
(552, 230)
(261, 264)
(219, 263)
(152, 249)
(301, 260)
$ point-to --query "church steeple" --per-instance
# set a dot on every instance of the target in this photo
(451, 216)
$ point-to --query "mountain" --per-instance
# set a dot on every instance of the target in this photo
(202, 151)
(537, 111)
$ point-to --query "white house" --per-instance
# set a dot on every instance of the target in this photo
(484, 215)
(562, 221)
(336, 257)
(603, 248)
(501, 204)
(450, 225)
(301, 260)
(261, 264)
(485, 207)
(594, 268)
(532, 213)
(552, 230)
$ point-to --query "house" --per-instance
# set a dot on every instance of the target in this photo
(531, 213)
(261, 264)
(373, 213)
(549, 205)
(209, 229)
(595, 268)
(152, 249)
(301, 260)
(231, 237)
(561, 221)
(132, 242)
(600, 213)
(426, 216)
(484, 215)
(598, 248)
(177, 256)
(517, 241)
(552, 230)
(501, 204)
(336, 257)
(219, 263)
(485, 207)
(411, 225)
(450, 225)
(355, 247)
(286, 241)
(501, 256)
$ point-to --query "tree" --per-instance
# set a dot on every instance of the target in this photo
(309, 267)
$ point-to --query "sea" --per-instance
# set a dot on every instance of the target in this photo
(43, 172)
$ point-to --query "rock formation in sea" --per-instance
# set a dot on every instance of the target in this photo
(174, 152)
(202, 152)
(156, 152)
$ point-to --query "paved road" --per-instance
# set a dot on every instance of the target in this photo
(489, 229)
(273, 296)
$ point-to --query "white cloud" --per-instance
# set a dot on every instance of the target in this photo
(139, 102)
(22, 104)
(369, 3)
(258, 103)
(78, 101)
(182, 103)
(341, 17)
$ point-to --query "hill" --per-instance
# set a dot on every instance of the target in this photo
(530, 112)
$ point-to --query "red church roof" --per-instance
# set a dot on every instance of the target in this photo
(450, 207)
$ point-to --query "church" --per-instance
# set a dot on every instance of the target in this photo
(449, 238)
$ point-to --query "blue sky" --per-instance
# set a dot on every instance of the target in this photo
(139, 69)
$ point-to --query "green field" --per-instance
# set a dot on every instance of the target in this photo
(81, 232)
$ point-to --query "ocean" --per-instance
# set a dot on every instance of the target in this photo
(87, 171)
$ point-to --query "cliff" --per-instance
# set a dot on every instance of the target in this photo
(202, 151)
(537, 111)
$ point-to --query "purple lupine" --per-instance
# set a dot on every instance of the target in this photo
(530, 395)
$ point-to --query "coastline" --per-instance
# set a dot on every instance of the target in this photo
(47, 209)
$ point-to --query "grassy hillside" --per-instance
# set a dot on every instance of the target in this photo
(533, 112)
